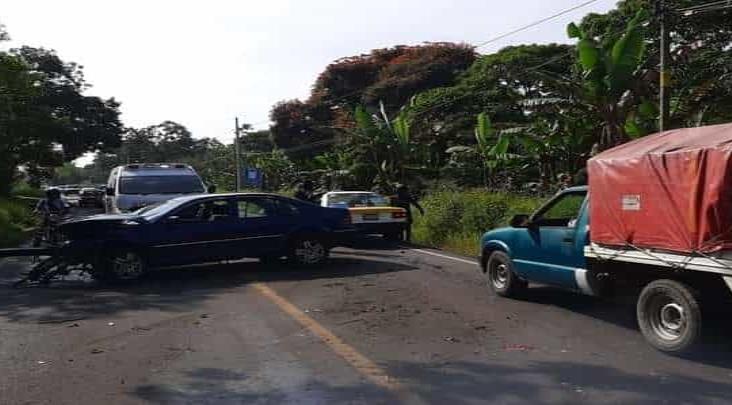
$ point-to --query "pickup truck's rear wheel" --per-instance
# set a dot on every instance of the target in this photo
(669, 316)
(501, 277)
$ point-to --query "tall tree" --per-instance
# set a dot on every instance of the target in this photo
(612, 84)
(701, 56)
(44, 117)
(391, 76)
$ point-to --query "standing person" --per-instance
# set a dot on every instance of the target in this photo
(304, 191)
(50, 209)
(404, 199)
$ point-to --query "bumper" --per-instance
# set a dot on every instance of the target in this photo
(381, 227)
(343, 237)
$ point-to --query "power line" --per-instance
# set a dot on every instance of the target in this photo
(535, 23)
(706, 5)
(694, 12)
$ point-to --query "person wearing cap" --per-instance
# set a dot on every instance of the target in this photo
(53, 204)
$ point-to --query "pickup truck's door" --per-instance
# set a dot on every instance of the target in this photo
(548, 249)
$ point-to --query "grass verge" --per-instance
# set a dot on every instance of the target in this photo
(455, 220)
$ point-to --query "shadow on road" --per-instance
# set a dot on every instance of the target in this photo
(716, 346)
(542, 382)
(180, 289)
(553, 382)
(220, 386)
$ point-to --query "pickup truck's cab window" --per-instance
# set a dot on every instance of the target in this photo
(562, 211)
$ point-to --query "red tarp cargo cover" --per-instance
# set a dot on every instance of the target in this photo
(671, 191)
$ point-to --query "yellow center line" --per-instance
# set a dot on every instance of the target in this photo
(359, 362)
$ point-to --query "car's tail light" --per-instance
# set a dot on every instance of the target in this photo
(399, 214)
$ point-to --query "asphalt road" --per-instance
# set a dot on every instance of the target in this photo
(380, 324)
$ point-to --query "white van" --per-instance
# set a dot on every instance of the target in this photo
(133, 186)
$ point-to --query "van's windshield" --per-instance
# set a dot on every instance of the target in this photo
(160, 185)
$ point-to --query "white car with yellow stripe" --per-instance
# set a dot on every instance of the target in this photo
(370, 212)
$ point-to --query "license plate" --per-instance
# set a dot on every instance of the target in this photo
(371, 217)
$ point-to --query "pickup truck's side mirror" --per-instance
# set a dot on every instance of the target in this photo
(519, 221)
(109, 191)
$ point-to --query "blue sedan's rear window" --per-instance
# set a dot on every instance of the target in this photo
(160, 185)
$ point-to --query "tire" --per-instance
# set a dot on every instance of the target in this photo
(501, 277)
(121, 266)
(669, 316)
(308, 251)
(393, 236)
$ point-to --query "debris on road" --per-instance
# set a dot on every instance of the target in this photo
(351, 321)
(96, 351)
(451, 339)
(518, 348)
(204, 315)
(110, 324)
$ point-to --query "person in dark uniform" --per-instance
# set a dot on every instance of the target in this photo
(304, 191)
(50, 210)
(404, 199)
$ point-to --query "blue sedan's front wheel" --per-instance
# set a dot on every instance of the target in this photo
(309, 251)
(121, 265)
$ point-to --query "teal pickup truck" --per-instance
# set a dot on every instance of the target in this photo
(553, 247)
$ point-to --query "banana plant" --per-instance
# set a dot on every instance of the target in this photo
(388, 142)
(611, 77)
(491, 145)
(485, 134)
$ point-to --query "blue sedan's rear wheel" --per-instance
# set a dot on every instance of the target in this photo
(501, 277)
(309, 252)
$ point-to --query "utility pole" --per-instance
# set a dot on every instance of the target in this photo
(237, 154)
(664, 73)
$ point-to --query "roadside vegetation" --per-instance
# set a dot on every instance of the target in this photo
(16, 221)
(455, 220)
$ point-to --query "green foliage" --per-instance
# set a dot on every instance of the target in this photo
(277, 169)
(23, 189)
(15, 219)
(383, 144)
(455, 219)
(45, 119)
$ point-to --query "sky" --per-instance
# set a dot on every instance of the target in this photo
(201, 63)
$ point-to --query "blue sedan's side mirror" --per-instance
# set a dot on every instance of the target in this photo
(172, 218)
